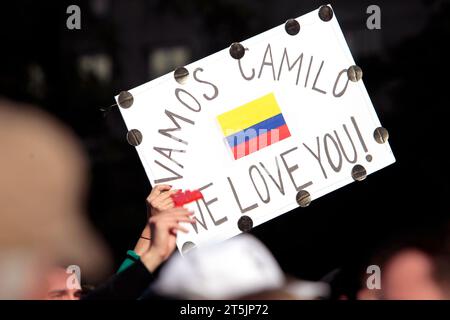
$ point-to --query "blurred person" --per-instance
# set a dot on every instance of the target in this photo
(413, 273)
(57, 285)
(409, 274)
(42, 222)
(42, 192)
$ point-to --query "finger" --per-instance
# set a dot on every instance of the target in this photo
(168, 207)
(163, 200)
(177, 219)
(179, 211)
(187, 220)
(183, 216)
(174, 213)
(176, 226)
(163, 187)
(166, 204)
(165, 195)
(157, 190)
(157, 201)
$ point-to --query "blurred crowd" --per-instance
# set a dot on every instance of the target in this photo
(49, 250)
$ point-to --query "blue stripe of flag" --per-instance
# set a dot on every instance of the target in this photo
(255, 130)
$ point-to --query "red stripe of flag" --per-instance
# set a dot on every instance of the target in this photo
(261, 141)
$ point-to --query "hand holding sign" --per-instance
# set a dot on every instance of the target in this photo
(164, 228)
(160, 199)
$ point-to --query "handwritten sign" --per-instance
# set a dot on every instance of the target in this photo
(261, 128)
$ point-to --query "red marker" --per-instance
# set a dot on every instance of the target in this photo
(181, 198)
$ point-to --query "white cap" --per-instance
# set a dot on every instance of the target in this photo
(231, 269)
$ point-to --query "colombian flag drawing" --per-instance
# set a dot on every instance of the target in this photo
(253, 126)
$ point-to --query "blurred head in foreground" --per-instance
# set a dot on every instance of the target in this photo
(42, 189)
(62, 284)
(240, 268)
(413, 273)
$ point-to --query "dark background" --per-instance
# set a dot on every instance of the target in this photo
(73, 74)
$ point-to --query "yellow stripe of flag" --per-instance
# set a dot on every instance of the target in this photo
(248, 114)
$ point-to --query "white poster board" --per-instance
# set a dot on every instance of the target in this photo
(253, 132)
